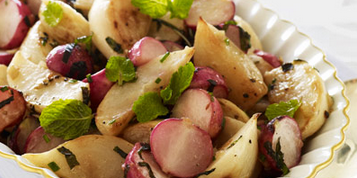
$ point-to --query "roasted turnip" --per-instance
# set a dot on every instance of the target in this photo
(39, 141)
(15, 21)
(12, 107)
(140, 132)
(214, 12)
(146, 49)
(70, 60)
(99, 86)
(201, 108)
(181, 148)
(280, 142)
(141, 164)
(210, 80)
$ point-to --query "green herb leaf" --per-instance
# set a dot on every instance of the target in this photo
(67, 119)
(179, 8)
(164, 57)
(53, 13)
(70, 157)
(114, 45)
(53, 166)
(244, 38)
(153, 8)
(86, 40)
(45, 137)
(120, 152)
(180, 80)
(120, 69)
(282, 109)
(148, 107)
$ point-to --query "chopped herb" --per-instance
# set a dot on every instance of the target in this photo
(287, 66)
(212, 83)
(68, 52)
(87, 40)
(205, 173)
(89, 78)
(277, 155)
(72, 81)
(144, 164)
(120, 69)
(229, 22)
(78, 69)
(178, 31)
(227, 41)
(27, 21)
(282, 109)
(148, 107)
(53, 13)
(234, 142)
(179, 81)
(112, 121)
(164, 57)
(67, 119)
(326, 114)
(70, 157)
(144, 147)
(54, 167)
(114, 45)
(44, 39)
(244, 38)
(4, 88)
(273, 81)
(158, 80)
(120, 152)
(7, 101)
(45, 137)
(223, 124)
(85, 95)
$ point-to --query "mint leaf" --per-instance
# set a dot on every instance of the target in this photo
(153, 8)
(282, 109)
(180, 80)
(67, 119)
(148, 107)
(120, 69)
(180, 8)
(53, 13)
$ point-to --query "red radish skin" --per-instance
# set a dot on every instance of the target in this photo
(34, 6)
(70, 60)
(14, 108)
(202, 109)
(232, 33)
(287, 130)
(172, 46)
(145, 50)
(205, 78)
(181, 148)
(270, 58)
(36, 142)
(18, 140)
(99, 87)
(5, 57)
(13, 27)
(214, 12)
(134, 170)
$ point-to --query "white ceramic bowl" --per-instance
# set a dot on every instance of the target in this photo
(282, 38)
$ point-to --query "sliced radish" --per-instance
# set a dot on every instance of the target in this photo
(18, 140)
(181, 148)
(214, 12)
(99, 86)
(15, 21)
(210, 80)
(6, 57)
(172, 46)
(70, 60)
(140, 163)
(146, 49)
(202, 109)
(283, 131)
(270, 58)
(12, 107)
(39, 141)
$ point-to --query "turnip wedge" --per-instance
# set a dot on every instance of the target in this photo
(115, 111)
(241, 75)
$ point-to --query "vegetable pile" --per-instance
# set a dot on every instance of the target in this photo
(143, 88)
